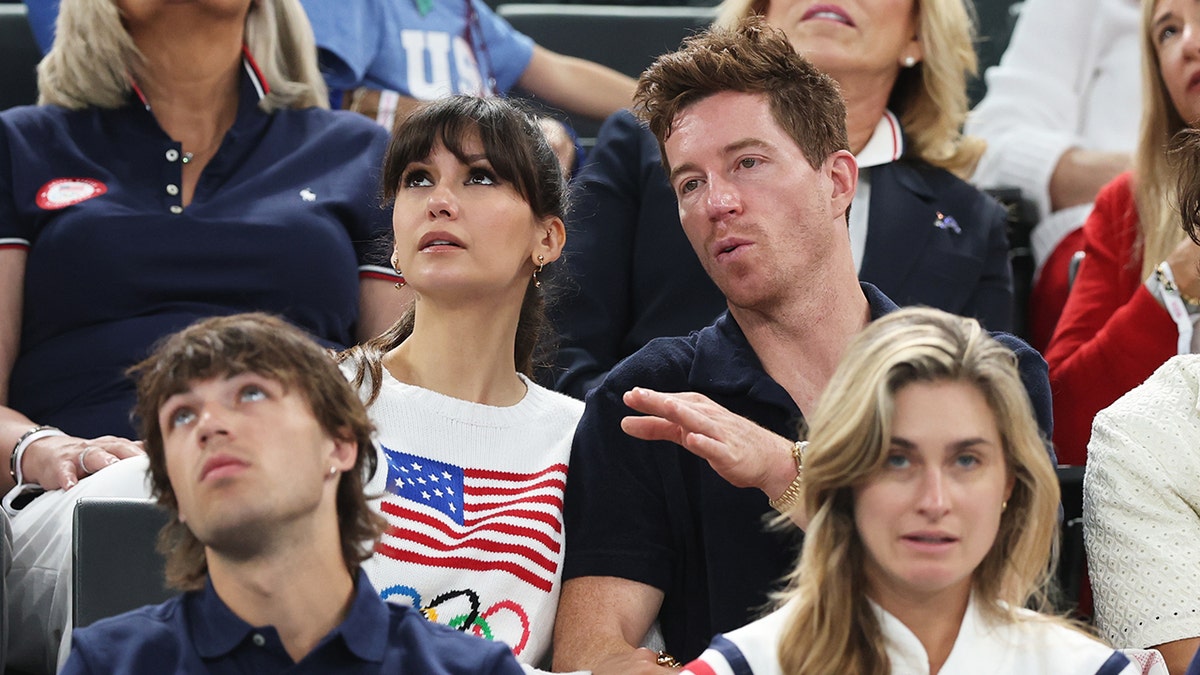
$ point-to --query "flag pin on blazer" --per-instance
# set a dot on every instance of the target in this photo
(945, 222)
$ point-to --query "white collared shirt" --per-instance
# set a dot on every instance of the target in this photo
(1030, 645)
(886, 145)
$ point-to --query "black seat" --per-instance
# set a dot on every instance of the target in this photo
(626, 39)
(996, 21)
(115, 565)
(1022, 217)
(19, 56)
(1072, 559)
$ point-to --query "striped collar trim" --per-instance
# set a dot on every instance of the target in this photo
(260, 84)
(886, 144)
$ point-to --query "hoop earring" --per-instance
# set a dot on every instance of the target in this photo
(537, 283)
(399, 284)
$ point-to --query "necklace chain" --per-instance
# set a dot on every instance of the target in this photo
(191, 156)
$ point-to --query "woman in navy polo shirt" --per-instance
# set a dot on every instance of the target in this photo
(179, 166)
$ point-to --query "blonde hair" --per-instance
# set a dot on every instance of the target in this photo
(93, 57)
(1154, 174)
(831, 627)
(931, 97)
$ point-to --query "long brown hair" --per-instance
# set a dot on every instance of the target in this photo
(1186, 148)
(519, 153)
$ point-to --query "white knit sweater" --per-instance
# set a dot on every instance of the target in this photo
(1141, 497)
(473, 498)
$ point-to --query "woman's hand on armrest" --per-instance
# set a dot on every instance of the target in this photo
(62, 461)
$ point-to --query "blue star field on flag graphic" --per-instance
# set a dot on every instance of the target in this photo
(435, 484)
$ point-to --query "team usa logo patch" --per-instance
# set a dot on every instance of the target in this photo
(63, 192)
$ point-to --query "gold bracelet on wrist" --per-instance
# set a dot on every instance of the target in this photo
(666, 660)
(784, 502)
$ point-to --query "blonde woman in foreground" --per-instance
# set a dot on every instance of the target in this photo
(934, 517)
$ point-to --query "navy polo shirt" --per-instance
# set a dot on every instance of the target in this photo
(285, 218)
(652, 512)
(197, 633)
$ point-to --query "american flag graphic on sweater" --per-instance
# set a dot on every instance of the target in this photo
(443, 515)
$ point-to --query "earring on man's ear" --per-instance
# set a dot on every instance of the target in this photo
(537, 283)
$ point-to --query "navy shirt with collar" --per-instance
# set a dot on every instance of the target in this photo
(652, 512)
(197, 633)
(285, 219)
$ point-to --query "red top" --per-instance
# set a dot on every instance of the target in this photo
(1113, 333)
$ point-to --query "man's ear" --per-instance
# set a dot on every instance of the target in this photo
(345, 450)
(843, 175)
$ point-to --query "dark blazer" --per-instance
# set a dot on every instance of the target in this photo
(933, 239)
(632, 275)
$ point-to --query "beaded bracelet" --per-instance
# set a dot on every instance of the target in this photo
(27, 439)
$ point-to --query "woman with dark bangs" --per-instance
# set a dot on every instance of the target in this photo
(473, 453)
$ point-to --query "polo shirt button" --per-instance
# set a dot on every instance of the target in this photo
(259, 640)
(172, 189)
(177, 209)
(172, 155)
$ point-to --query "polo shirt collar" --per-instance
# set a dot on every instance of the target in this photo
(255, 87)
(886, 144)
(217, 631)
(364, 630)
(726, 363)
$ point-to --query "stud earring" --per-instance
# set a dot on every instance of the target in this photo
(537, 283)
(332, 470)
(1003, 505)
(909, 61)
